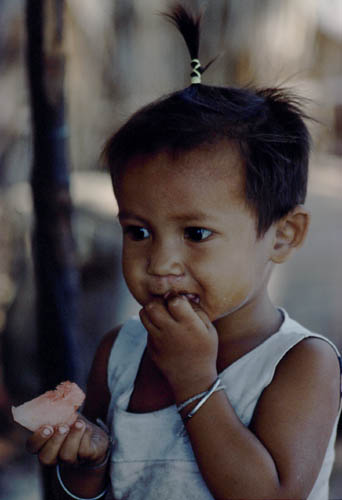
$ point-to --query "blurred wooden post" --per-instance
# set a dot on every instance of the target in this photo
(53, 245)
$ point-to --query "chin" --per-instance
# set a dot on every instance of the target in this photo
(230, 311)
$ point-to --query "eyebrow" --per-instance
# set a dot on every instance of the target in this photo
(192, 216)
(130, 215)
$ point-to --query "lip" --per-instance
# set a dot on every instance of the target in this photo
(192, 297)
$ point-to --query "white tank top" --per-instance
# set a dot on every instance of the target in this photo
(152, 458)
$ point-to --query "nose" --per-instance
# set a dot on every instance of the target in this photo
(165, 259)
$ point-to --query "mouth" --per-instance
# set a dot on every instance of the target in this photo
(191, 297)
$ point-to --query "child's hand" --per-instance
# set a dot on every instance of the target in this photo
(83, 442)
(182, 341)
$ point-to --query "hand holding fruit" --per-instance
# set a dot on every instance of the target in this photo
(82, 442)
(60, 433)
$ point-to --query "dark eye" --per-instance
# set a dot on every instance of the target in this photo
(197, 233)
(137, 233)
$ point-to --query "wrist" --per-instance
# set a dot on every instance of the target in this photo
(81, 488)
(94, 465)
(101, 462)
(197, 401)
(192, 386)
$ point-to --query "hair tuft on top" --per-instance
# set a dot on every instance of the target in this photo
(266, 124)
(188, 25)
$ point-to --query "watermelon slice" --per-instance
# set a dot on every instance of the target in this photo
(51, 408)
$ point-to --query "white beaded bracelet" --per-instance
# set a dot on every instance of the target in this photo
(71, 494)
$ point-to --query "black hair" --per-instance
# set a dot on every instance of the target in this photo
(266, 124)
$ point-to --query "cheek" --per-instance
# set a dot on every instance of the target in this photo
(130, 267)
(133, 281)
(229, 281)
(230, 289)
(127, 270)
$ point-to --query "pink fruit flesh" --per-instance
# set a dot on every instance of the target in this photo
(51, 408)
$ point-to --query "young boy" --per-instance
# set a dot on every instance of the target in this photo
(214, 392)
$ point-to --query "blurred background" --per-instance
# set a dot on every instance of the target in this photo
(71, 72)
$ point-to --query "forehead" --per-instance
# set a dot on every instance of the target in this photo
(208, 172)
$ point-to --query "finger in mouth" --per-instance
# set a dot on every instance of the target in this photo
(191, 297)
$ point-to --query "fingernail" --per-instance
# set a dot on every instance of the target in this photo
(47, 431)
(63, 429)
(78, 424)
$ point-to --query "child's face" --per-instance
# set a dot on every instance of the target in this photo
(187, 230)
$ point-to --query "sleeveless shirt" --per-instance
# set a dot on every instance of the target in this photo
(152, 456)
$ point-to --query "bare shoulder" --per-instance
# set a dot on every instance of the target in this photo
(296, 413)
(98, 395)
(311, 364)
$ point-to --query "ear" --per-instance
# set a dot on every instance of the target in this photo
(290, 233)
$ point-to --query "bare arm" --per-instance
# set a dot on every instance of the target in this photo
(84, 440)
(98, 395)
(280, 455)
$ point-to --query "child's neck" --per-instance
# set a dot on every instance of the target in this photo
(245, 329)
